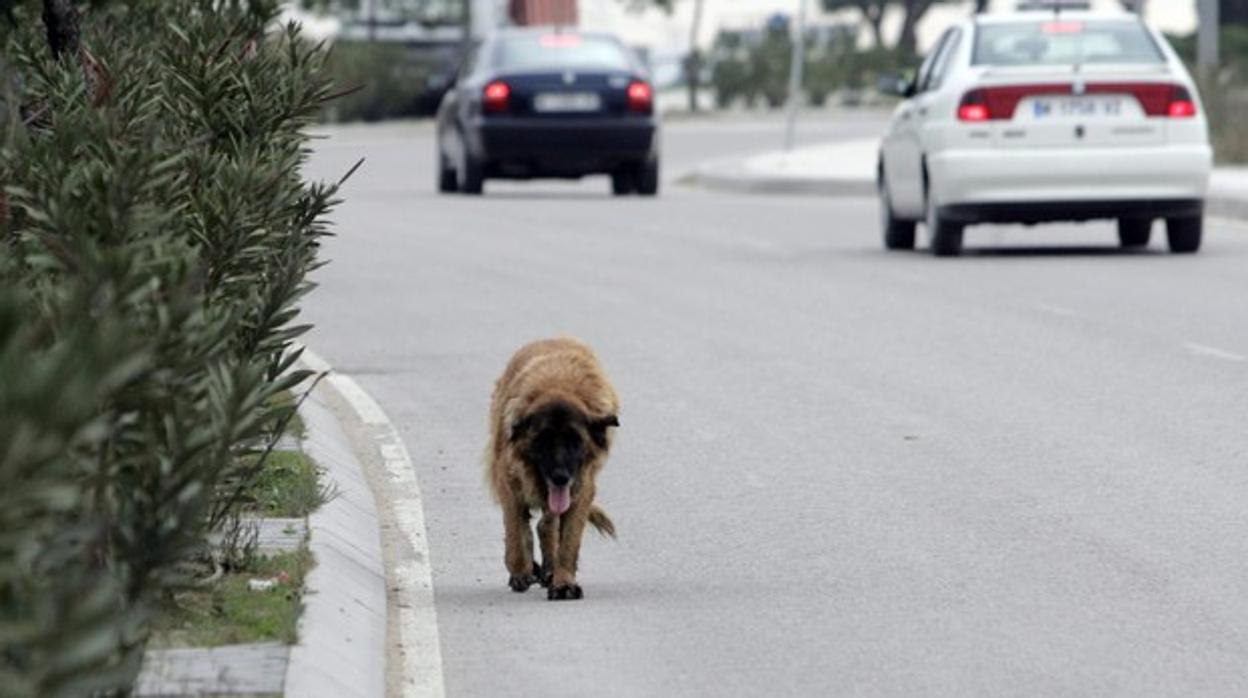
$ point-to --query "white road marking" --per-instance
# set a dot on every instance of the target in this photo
(1213, 352)
(420, 648)
(363, 403)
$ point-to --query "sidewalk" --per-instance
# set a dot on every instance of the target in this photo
(847, 168)
(342, 650)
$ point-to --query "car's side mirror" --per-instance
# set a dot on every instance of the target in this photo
(895, 84)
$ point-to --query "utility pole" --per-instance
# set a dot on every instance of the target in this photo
(693, 64)
(1207, 37)
(370, 10)
(795, 75)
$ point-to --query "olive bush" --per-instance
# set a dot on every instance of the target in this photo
(156, 237)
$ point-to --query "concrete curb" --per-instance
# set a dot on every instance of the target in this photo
(736, 179)
(729, 178)
(381, 586)
(342, 632)
(1224, 205)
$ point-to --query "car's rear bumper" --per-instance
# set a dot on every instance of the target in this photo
(1099, 180)
(1051, 211)
(516, 146)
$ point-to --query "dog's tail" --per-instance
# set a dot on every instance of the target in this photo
(599, 520)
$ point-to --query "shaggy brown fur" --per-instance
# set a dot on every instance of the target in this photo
(549, 438)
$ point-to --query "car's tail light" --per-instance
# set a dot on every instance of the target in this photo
(496, 96)
(1181, 104)
(1001, 101)
(640, 97)
(973, 107)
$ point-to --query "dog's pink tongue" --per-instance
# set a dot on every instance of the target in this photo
(559, 499)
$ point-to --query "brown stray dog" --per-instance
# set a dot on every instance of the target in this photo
(549, 438)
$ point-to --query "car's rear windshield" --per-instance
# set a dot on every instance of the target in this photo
(1058, 41)
(563, 51)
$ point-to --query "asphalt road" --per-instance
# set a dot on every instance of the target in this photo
(839, 471)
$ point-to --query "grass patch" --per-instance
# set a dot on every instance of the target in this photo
(295, 427)
(288, 486)
(229, 613)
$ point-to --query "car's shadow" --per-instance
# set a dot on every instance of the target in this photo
(548, 196)
(1060, 251)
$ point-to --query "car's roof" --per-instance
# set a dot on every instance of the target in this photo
(504, 32)
(1050, 15)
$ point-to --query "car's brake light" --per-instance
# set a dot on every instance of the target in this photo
(640, 97)
(1181, 104)
(497, 96)
(1062, 27)
(559, 40)
(973, 107)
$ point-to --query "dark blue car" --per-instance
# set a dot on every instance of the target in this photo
(545, 102)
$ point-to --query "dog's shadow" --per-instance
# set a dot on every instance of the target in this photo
(494, 592)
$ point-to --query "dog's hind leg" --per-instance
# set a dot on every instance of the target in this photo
(519, 545)
(548, 538)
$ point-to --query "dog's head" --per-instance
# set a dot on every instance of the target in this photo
(557, 440)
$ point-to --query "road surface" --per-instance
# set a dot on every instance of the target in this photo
(840, 471)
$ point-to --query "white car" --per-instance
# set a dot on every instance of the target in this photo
(1038, 116)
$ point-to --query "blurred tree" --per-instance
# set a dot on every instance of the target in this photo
(423, 11)
(873, 12)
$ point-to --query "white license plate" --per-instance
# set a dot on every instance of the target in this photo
(566, 102)
(1083, 107)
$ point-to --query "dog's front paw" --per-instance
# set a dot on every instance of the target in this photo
(544, 575)
(520, 583)
(566, 592)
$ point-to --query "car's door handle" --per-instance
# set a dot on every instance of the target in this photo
(923, 111)
(905, 114)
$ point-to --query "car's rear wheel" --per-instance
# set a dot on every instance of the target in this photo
(1134, 232)
(1184, 233)
(647, 181)
(623, 182)
(946, 236)
(470, 175)
(446, 174)
(898, 234)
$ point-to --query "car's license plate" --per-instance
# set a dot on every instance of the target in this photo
(566, 102)
(1088, 107)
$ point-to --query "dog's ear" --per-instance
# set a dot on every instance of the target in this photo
(519, 427)
(598, 429)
